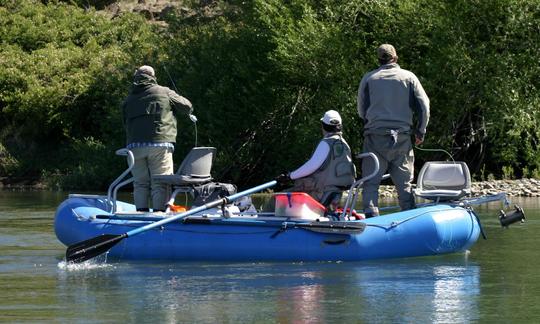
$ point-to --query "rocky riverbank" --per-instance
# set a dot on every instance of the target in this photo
(513, 188)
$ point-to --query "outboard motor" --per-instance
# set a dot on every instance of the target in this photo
(516, 216)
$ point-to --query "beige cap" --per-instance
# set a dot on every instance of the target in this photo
(146, 69)
(386, 52)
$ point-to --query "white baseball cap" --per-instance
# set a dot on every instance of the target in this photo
(332, 118)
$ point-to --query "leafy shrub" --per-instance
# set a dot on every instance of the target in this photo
(260, 74)
(66, 72)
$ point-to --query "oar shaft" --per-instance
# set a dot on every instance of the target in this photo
(172, 219)
(90, 248)
(201, 208)
(252, 190)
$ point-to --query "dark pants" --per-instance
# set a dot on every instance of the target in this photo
(396, 157)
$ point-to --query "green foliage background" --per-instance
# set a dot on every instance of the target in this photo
(260, 74)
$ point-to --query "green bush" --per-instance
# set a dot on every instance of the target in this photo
(65, 72)
(260, 75)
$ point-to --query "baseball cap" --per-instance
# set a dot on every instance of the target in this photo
(332, 118)
(386, 51)
(145, 69)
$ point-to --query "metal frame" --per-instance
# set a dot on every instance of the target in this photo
(118, 183)
(353, 191)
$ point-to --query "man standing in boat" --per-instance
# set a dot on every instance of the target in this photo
(330, 169)
(387, 99)
(149, 115)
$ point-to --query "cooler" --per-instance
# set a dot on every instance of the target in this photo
(298, 205)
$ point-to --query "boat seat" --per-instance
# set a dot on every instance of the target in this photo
(195, 170)
(443, 181)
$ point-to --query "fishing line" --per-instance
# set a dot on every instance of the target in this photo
(436, 150)
(454, 173)
(170, 78)
(194, 120)
(191, 117)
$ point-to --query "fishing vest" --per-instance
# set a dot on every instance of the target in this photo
(148, 115)
(336, 173)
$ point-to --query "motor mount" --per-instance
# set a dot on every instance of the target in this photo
(518, 215)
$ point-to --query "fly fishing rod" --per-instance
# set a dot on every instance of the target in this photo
(192, 117)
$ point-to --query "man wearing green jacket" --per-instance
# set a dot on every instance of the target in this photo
(149, 115)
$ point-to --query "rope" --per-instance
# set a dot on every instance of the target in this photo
(397, 223)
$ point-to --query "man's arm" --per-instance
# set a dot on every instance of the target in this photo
(362, 99)
(421, 107)
(314, 163)
(180, 103)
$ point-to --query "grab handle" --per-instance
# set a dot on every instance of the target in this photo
(351, 198)
(115, 185)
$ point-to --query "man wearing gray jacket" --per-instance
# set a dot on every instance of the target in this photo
(388, 97)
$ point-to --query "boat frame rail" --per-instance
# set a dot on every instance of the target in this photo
(112, 191)
(355, 187)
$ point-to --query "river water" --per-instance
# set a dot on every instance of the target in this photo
(497, 281)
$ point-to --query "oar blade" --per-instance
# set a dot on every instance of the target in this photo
(85, 250)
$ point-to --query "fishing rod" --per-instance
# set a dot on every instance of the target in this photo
(192, 117)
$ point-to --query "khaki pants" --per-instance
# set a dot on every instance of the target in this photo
(395, 157)
(151, 161)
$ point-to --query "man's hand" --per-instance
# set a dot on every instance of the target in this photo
(418, 140)
(283, 179)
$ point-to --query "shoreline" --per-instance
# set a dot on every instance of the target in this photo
(527, 187)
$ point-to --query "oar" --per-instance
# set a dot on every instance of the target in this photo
(330, 227)
(90, 248)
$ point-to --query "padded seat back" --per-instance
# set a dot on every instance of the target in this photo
(198, 162)
(194, 170)
(443, 181)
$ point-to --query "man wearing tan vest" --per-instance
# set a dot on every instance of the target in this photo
(330, 169)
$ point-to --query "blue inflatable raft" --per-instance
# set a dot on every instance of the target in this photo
(298, 230)
(430, 230)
